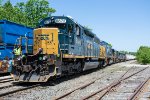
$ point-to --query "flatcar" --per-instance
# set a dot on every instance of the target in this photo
(10, 33)
(61, 46)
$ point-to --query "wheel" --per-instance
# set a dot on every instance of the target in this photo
(79, 67)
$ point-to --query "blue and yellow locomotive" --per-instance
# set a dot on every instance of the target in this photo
(61, 46)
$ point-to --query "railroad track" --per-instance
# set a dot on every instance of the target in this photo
(139, 89)
(5, 79)
(13, 88)
(99, 94)
(112, 70)
(110, 91)
(8, 87)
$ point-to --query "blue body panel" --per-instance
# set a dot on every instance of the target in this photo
(9, 32)
(80, 43)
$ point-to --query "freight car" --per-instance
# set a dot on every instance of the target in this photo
(122, 57)
(61, 47)
(9, 32)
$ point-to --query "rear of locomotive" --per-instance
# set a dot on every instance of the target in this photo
(42, 64)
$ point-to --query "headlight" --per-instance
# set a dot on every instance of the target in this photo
(47, 21)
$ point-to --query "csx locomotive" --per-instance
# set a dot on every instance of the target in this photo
(61, 46)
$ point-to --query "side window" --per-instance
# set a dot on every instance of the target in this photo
(70, 28)
(77, 30)
(70, 32)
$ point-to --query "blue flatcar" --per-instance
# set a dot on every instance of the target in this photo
(9, 32)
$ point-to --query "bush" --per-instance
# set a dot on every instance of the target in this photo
(143, 55)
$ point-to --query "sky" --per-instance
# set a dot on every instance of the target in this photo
(123, 23)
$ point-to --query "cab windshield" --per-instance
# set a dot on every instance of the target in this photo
(60, 23)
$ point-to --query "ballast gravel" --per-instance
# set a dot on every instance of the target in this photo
(50, 91)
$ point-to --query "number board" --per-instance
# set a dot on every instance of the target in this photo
(42, 36)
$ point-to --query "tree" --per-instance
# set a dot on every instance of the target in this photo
(110, 44)
(8, 11)
(1, 9)
(21, 15)
(1, 2)
(143, 55)
(127, 52)
(36, 10)
(28, 13)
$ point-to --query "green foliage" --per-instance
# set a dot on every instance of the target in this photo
(28, 13)
(132, 53)
(126, 52)
(143, 55)
(110, 44)
(0, 2)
